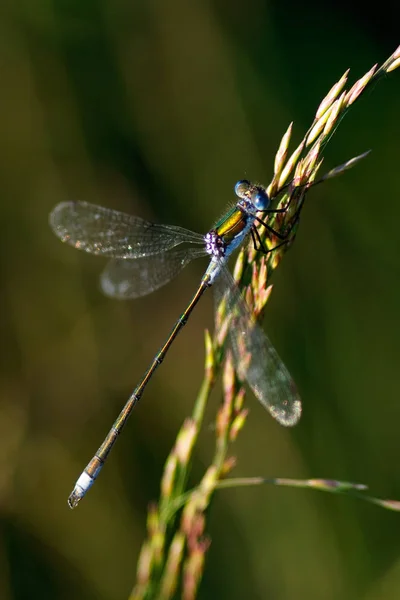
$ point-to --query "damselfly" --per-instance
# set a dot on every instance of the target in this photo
(144, 256)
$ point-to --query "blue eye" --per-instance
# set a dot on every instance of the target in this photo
(242, 187)
(260, 199)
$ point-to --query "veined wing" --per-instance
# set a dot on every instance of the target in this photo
(255, 358)
(127, 278)
(115, 234)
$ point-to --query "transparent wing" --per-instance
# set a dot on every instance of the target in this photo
(255, 358)
(115, 234)
(126, 278)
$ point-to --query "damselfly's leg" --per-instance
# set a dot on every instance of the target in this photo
(258, 244)
(281, 236)
(261, 246)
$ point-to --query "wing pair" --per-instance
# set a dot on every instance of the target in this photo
(145, 256)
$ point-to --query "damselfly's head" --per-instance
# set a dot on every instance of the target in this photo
(256, 195)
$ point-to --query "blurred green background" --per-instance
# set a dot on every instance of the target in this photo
(157, 108)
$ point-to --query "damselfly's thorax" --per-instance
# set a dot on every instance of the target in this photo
(230, 231)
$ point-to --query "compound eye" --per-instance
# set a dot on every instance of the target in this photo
(260, 199)
(242, 187)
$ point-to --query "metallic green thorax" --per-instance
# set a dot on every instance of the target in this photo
(232, 224)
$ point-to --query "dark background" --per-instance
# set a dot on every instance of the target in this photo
(157, 108)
